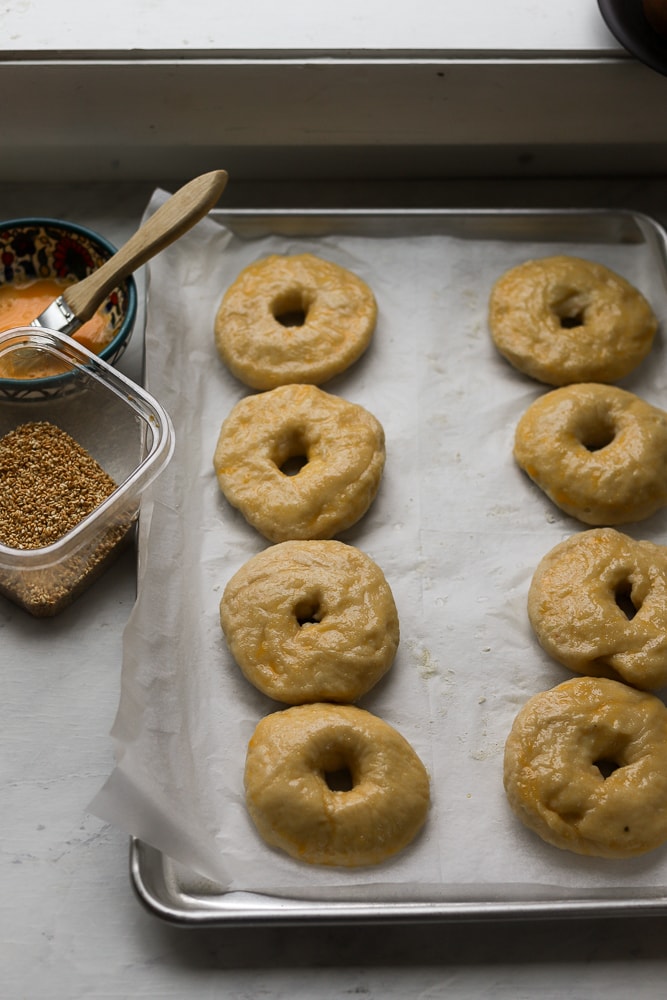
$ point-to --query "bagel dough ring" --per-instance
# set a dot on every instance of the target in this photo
(294, 758)
(563, 319)
(597, 451)
(342, 446)
(598, 604)
(586, 768)
(289, 319)
(311, 621)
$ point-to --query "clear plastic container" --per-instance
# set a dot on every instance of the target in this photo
(122, 427)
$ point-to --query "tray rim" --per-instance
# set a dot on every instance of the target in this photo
(256, 910)
(447, 212)
(251, 909)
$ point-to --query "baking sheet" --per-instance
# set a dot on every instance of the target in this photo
(457, 529)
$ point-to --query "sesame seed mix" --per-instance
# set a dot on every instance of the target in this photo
(48, 484)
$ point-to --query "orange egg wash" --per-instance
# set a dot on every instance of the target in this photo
(20, 304)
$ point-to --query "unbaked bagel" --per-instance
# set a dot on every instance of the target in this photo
(311, 621)
(597, 451)
(334, 785)
(296, 318)
(335, 449)
(598, 604)
(564, 319)
(586, 768)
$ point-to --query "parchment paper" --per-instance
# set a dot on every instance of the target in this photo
(456, 527)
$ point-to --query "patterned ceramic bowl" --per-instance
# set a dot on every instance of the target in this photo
(34, 249)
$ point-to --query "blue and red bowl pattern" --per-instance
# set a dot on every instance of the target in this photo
(31, 249)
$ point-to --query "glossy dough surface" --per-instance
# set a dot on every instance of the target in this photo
(598, 605)
(598, 452)
(340, 443)
(311, 621)
(292, 319)
(563, 319)
(293, 807)
(586, 768)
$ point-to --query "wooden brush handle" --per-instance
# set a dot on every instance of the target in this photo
(173, 218)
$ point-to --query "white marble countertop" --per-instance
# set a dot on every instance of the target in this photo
(70, 925)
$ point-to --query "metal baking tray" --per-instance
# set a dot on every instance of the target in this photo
(168, 893)
(178, 896)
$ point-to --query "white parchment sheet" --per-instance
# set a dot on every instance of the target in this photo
(456, 527)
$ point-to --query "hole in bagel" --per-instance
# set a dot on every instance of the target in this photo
(570, 322)
(339, 780)
(612, 752)
(597, 433)
(570, 310)
(337, 768)
(606, 766)
(293, 465)
(291, 454)
(308, 611)
(623, 598)
(290, 309)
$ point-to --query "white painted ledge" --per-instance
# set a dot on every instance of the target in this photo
(296, 90)
(374, 26)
